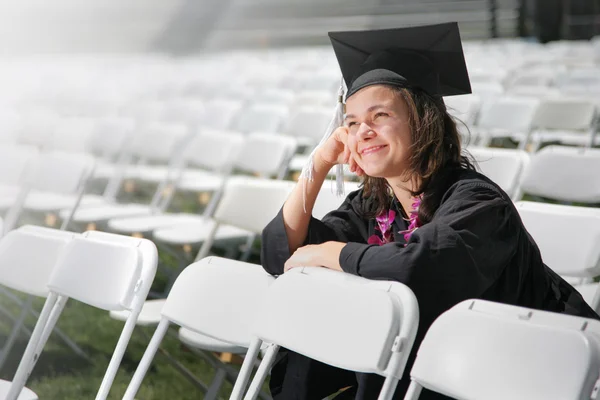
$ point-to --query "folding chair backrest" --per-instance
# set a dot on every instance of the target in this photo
(565, 114)
(265, 154)
(101, 273)
(513, 114)
(28, 256)
(345, 333)
(275, 96)
(73, 135)
(213, 149)
(220, 114)
(328, 200)
(564, 173)
(251, 203)
(233, 290)
(576, 252)
(263, 118)
(308, 122)
(482, 350)
(503, 166)
(38, 127)
(14, 162)
(158, 142)
(61, 172)
(464, 108)
(110, 136)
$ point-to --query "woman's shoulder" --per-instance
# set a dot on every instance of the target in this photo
(470, 184)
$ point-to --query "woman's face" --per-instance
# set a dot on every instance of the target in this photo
(379, 133)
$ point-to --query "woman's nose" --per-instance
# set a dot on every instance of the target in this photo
(365, 132)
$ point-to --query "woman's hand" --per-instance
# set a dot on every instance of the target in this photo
(335, 151)
(316, 255)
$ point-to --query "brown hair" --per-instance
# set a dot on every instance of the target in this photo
(435, 157)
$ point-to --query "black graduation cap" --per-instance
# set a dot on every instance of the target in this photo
(428, 57)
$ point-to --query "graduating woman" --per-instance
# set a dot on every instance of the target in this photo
(423, 216)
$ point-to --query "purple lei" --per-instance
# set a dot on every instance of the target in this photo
(414, 219)
(384, 225)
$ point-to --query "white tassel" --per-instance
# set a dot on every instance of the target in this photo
(336, 122)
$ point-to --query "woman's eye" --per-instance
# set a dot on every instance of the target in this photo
(381, 114)
(351, 124)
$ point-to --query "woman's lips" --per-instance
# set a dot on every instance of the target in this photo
(372, 149)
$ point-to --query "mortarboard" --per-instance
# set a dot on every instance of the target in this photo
(427, 57)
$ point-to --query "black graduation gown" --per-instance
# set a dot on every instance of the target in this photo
(474, 247)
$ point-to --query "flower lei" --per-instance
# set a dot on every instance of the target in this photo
(384, 225)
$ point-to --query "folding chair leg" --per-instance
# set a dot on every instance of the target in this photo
(244, 375)
(213, 390)
(146, 360)
(413, 392)
(31, 355)
(14, 333)
(388, 388)
(261, 373)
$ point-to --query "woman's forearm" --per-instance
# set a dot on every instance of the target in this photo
(297, 212)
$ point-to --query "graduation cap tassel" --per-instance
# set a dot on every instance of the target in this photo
(336, 122)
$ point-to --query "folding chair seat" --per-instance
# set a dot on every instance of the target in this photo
(104, 271)
(109, 141)
(263, 154)
(576, 253)
(214, 301)
(482, 350)
(380, 342)
(503, 166)
(564, 173)
(57, 181)
(72, 134)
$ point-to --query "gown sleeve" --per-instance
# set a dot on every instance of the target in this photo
(342, 225)
(458, 255)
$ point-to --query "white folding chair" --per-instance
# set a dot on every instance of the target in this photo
(261, 117)
(358, 339)
(15, 163)
(507, 117)
(564, 173)
(574, 254)
(216, 299)
(57, 181)
(308, 124)
(568, 121)
(104, 271)
(482, 350)
(503, 166)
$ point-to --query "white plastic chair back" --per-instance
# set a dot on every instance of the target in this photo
(464, 108)
(213, 149)
(110, 136)
(37, 128)
(565, 114)
(219, 113)
(265, 154)
(73, 135)
(234, 290)
(511, 114)
(158, 141)
(328, 200)
(576, 252)
(481, 350)
(264, 118)
(273, 96)
(28, 256)
(564, 173)
(314, 98)
(309, 122)
(503, 166)
(14, 162)
(99, 274)
(262, 199)
(61, 172)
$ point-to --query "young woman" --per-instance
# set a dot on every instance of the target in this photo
(423, 217)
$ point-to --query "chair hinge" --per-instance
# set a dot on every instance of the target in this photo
(138, 285)
(595, 390)
(398, 344)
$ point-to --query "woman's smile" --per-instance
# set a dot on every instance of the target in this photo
(372, 150)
